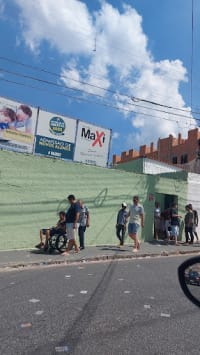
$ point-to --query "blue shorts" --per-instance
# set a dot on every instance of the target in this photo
(175, 231)
(133, 228)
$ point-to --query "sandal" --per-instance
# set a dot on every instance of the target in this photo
(138, 245)
(65, 253)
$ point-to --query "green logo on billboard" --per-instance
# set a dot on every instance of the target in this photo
(57, 126)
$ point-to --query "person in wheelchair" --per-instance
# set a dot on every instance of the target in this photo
(45, 234)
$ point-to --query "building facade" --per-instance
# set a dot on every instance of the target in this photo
(177, 151)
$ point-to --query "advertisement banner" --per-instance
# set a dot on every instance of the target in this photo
(92, 144)
(17, 126)
(55, 135)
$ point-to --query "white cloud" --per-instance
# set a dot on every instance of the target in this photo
(109, 49)
(66, 25)
(115, 135)
(2, 8)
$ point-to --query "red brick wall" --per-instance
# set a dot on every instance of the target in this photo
(167, 148)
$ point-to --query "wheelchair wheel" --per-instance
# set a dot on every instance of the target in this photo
(61, 242)
(52, 242)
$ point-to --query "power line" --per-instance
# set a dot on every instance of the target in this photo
(92, 94)
(92, 85)
(192, 55)
(105, 104)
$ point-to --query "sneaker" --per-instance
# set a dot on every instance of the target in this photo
(40, 246)
(46, 247)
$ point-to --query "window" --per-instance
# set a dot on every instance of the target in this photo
(184, 159)
(174, 160)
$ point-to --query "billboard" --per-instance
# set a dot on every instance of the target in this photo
(55, 136)
(92, 144)
(17, 126)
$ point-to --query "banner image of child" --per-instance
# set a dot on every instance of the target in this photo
(7, 118)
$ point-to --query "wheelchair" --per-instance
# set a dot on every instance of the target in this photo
(57, 241)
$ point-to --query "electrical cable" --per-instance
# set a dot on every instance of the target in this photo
(105, 104)
(192, 55)
(94, 86)
(86, 92)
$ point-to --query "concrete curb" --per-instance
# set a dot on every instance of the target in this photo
(51, 262)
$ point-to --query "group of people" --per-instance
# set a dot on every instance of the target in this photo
(77, 218)
(168, 223)
(191, 223)
(73, 222)
(134, 217)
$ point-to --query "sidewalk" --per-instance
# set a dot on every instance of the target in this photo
(27, 258)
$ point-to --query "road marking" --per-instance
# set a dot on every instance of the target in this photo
(26, 325)
(61, 349)
(70, 295)
(34, 300)
(152, 298)
(166, 315)
(120, 279)
(80, 267)
(147, 306)
(38, 313)
(67, 276)
(12, 283)
(127, 292)
(90, 274)
(84, 292)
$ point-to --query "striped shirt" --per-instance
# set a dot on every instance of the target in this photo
(83, 216)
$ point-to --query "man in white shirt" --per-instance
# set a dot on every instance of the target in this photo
(136, 214)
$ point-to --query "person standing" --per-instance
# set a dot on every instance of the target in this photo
(167, 224)
(196, 222)
(175, 222)
(136, 214)
(84, 222)
(72, 218)
(121, 224)
(157, 213)
(189, 222)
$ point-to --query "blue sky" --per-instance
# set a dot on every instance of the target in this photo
(137, 48)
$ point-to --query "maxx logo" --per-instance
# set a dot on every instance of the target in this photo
(97, 137)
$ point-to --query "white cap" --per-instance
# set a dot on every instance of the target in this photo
(124, 204)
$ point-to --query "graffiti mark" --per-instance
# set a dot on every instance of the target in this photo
(62, 206)
(98, 201)
(101, 197)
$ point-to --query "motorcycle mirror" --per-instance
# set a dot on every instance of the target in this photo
(189, 278)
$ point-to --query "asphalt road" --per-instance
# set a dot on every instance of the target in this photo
(125, 307)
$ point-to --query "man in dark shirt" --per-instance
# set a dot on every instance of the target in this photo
(196, 221)
(121, 224)
(71, 218)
